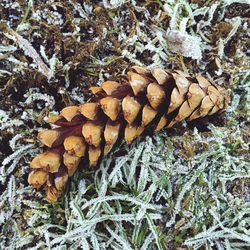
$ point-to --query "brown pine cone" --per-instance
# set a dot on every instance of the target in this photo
(155, 98)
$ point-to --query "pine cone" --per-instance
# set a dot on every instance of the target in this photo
(157, 99)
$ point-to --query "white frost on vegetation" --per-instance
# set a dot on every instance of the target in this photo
(184, 44)
(29, 50)
(112, 4)
(78, 95)
(51, 17)
(35, 95)
(9, 48)
(84, 11)
(228, 2)
(235, 22)
(7, 123)
(143, 206)
(10, 162)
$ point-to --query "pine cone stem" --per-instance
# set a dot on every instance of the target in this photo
(156, 98)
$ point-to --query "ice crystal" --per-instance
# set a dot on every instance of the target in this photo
(184, 44)
(29, 51)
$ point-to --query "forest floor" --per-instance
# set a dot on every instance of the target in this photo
(184, 188)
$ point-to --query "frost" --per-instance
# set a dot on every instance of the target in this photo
(141, 210)
(28, 50)
(123, 198)
(3, 116)
(184, 44)
(78, 95)
(52, 63)
(83, 12)
(236, 22)
(152, 227)
(9, 48)
(113, 3)
(210, 12)
(6, 123)
(228, 2)
(33, 95)
(131, 57)
(124, 244)
(13, 159)
(4, 72)
(51, 17)
(147, 242)
(175, 13)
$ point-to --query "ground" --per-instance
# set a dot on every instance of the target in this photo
(184, 188)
